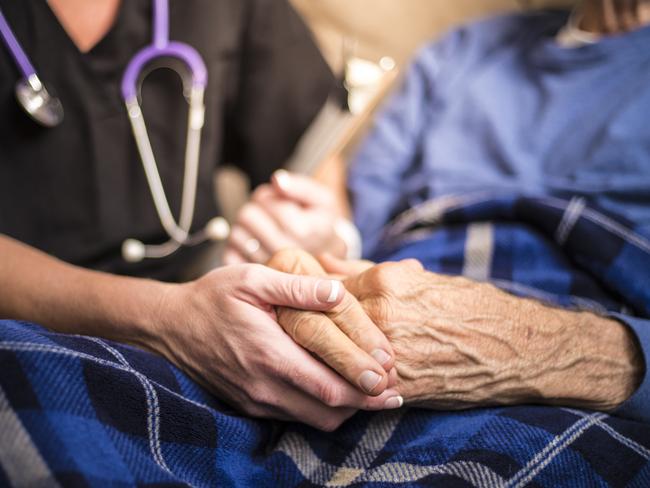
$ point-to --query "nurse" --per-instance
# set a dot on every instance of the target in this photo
(72, 194)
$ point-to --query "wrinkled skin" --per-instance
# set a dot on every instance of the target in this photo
(460, 344)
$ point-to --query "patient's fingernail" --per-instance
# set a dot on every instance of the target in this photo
(328, 291)
(282, 178)
(394, 402)
(381, 356)
(369, 380)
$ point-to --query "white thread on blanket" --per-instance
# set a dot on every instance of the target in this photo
(608, 224)
(32, 347)
(432, 211)
(377, 434)
(474, 473)
(552, 450)
(479, 248)
(321, 473)
(569, 219)
(20, 459)
(299, 451)
(153, 407)
(626, 441)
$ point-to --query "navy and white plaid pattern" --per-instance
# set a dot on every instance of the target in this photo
(78, 411)
(555, 250)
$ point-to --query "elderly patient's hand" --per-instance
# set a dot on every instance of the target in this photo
(344, 338)
(459, 343)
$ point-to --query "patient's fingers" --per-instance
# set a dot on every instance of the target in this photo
(296, 261)
(392, 378)
(309, 375)
(347, 340)
(351, 318)
(347, 268)
(319, 335)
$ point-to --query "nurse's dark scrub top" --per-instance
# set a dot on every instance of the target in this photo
(77, 191)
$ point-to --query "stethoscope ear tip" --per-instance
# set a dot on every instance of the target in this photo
(133, 251)
(38, 103)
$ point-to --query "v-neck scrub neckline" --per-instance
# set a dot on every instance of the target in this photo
(119, 13)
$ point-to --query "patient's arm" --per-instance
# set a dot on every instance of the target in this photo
(460, 344)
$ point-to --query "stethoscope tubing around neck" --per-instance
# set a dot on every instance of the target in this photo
(15, 49)
(194, 87)
(48, 111)
(160, 23)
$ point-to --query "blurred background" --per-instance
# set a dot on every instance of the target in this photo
(355, 36)
(396, 28)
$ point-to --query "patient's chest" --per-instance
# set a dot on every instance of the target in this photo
(508, 127)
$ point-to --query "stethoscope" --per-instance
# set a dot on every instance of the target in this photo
(47, 110)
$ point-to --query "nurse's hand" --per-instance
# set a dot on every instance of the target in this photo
(292, 211)
(223, 331)
(344, 337)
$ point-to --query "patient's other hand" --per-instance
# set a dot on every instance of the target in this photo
(344, 338)
(460, 343)
(293, 211)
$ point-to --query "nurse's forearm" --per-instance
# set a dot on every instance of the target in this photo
(38, 288)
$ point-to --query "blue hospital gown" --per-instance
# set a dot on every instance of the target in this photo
(500, 106)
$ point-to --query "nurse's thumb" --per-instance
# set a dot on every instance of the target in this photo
(299, 292)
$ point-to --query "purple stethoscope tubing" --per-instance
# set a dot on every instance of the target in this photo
(162, 47)
(16, 51)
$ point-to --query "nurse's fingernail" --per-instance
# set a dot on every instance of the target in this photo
(328, 291)
(394, 402)
(282, 178)
(369, 380)
(381, 356)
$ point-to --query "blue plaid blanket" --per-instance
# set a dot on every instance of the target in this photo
(80, 411)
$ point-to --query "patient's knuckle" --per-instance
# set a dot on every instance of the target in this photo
(412, 264)
(359, 335)
(289, 259)
(307, 331)
(383, 274)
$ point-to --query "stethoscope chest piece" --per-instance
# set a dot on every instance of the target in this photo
(37, 102)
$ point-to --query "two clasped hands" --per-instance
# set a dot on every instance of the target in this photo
(315, 340)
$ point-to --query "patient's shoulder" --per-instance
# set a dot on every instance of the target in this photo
(475, 42)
